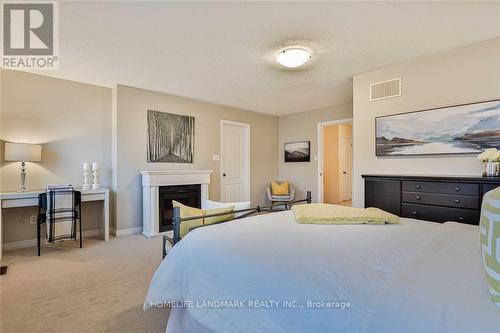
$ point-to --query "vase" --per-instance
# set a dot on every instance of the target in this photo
(491, 169)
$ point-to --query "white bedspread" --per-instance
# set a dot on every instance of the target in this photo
(416, 276)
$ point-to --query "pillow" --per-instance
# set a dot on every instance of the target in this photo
(280, 188)
(187, 211)
(209, 204)
(489, 229)
(222, 218)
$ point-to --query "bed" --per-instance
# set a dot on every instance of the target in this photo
(268, 273)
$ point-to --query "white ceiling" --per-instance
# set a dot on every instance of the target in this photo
(223, 52)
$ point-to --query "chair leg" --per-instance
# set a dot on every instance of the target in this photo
(38, 237)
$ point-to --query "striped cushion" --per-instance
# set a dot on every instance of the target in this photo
(490, 241)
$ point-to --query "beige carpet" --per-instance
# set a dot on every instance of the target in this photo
(99, 288)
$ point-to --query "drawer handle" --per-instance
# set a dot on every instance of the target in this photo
(418, 197)
(418, 187)
(461, 218)
(414, 212)
(457, 189)
(456, 201)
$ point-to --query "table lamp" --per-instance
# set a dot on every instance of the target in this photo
(23, 152)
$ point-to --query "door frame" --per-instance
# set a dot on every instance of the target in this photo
(319, 175)
(246, 154)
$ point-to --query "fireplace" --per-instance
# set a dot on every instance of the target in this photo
(159, 188)
(189, 195)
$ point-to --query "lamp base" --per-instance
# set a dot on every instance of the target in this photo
(23, 178)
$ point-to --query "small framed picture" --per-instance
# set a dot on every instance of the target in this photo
(298, 151)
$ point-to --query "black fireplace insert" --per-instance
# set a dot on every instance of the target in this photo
(189, 195)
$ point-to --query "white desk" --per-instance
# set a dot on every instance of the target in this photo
(26, 199)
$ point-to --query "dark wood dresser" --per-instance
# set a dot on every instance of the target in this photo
(431, 198)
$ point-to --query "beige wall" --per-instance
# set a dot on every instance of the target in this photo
(73, 122)
(77, 122)
(464, 75)
(304, 127)
(131, 140)
(331, 164)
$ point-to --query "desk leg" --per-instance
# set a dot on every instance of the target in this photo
(106, 216)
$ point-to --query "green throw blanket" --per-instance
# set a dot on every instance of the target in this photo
(335, 214)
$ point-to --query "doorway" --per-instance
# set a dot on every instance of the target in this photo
(335, 162)
(234, 161)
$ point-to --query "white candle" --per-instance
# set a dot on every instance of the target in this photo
(94, 166)
(86, 166)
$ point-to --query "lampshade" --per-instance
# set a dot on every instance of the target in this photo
(23, 152)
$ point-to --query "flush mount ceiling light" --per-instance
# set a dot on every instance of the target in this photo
(293, 57)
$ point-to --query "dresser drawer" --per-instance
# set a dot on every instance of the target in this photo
(440, 214)
(459, 201)
(421, 212)
(420, 198)
(416, 186)
(459, 188)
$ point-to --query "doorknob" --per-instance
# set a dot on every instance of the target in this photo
(223, 175)
(344, 172)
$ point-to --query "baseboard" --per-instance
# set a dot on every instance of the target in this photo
(19, 245)
(125, 232)
(32, 242)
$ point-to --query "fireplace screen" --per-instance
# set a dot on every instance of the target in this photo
(189, 195)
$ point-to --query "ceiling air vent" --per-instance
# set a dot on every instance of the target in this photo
(385, 89)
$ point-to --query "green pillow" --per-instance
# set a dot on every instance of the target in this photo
(187, 211)
(490, 241)
(222, 218)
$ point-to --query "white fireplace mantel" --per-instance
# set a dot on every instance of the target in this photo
(152, 180)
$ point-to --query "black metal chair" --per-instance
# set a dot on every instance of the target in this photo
(42, 214)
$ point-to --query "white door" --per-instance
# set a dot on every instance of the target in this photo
(235, 155)
(345, 168)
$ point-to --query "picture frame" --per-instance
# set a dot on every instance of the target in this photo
(299, 151)
(458, 129)
(170, 137)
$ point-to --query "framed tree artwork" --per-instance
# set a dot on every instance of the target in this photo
(170, 137)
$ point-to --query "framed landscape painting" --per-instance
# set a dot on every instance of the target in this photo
(460, 129)
(298, 151)
(170, 137)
